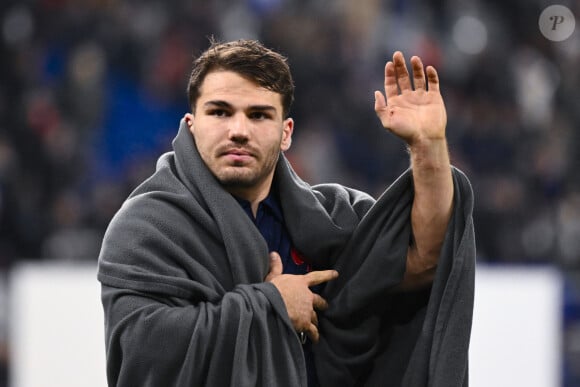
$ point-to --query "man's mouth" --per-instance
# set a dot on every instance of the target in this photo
(237, 155)
(237, 152)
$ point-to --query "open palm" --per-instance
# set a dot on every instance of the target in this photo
(413, 111)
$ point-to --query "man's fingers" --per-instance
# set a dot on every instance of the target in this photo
(402, 74)
(391, 88)
(313, 334)
(314, 318)
(418, 73)
(319, 303)
(320, 276)
(433, 79)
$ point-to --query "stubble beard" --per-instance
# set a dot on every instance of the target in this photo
(240, 177)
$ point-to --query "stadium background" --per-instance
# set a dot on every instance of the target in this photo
(91, 93)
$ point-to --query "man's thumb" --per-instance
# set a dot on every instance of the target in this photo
(275, 266)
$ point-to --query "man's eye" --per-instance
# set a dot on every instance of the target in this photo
(258, 116)
(218, 113)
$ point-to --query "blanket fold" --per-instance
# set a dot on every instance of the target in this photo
(373, 336)
(182, 269)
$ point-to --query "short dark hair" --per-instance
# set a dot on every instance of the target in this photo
(251, 60)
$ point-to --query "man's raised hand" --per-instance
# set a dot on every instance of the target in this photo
(412, 107)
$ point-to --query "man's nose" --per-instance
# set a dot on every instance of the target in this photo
(239, 127)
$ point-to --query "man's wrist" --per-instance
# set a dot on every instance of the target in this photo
(431, 154)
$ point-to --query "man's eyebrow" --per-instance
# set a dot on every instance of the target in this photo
(217, 103)
(224, 104)
(262, 107)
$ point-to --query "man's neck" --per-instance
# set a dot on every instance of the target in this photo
(254, 194)
(251, 196)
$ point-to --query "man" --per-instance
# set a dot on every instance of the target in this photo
(223, 267)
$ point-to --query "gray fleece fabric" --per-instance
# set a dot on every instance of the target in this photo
(182, 271)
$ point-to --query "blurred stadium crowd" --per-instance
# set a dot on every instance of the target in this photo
(91, 92)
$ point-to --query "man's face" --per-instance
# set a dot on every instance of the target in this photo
(239, 131)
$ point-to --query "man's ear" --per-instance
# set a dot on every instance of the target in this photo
(287, 131)
(189, 121)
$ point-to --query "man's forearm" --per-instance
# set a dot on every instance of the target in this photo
(432, 203)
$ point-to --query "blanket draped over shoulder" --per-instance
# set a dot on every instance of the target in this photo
(182, 269)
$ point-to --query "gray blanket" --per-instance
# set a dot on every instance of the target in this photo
(182, 269)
